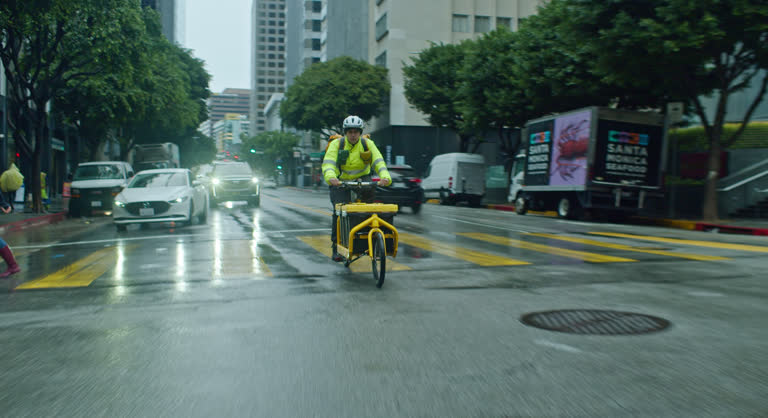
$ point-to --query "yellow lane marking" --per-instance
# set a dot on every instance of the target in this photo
(322, 212)
(81, 273)
(628, 248)
(237, 258)
(709, 244)
(579, 255)
(476, 257)
(321, 243)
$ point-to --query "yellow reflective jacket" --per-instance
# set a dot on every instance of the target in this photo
(354, 167)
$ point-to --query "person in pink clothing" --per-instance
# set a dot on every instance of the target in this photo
(5, 249)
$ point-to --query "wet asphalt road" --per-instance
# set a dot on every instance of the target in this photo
(246, 316)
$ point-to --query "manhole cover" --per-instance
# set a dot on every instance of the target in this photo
(595, 322)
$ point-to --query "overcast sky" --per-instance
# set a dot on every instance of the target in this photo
(219, 33)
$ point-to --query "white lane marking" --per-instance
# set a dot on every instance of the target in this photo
(113, 240)
(705, 294)
(558, 346)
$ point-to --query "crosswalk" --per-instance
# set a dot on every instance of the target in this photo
(249, 258)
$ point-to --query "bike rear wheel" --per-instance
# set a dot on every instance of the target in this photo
(379, 259)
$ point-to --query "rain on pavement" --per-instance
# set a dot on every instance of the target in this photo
(247, 315)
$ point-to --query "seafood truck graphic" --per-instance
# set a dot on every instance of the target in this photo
(593, 159)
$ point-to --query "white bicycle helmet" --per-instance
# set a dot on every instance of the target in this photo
(352, 122)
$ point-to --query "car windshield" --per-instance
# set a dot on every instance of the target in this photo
(98, 172)
(232, 170)
(158, 180)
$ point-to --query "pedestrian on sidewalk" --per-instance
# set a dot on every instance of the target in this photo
(5, 249)
(10, 182)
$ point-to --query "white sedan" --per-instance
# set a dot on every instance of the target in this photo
(162, 195)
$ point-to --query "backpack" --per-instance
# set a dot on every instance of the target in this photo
(343, 154)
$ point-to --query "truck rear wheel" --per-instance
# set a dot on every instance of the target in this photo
(568, 208)
(521, 206)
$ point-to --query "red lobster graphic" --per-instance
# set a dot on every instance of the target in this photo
(572, 145)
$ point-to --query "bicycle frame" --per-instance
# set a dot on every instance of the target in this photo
(375, 223)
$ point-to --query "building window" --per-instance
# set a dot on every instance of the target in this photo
(315, 60)
(315, 44)
(482, 24)
(317, 6)
(504, 22)
(460, 23)
(381, 60)
(317, 25)
(378, 2)
(381, 27)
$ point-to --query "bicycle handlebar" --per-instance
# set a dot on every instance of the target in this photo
(360, 184)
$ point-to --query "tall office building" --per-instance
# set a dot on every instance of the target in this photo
(403, 28)
(267, 57)
(320, 30)
(172, 18)
(229, 101)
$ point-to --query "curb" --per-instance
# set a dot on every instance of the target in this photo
(33, 222)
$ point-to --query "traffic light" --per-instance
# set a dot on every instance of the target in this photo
(253, 151)
(279, 167)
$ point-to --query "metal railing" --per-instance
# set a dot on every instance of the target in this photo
(743, 189)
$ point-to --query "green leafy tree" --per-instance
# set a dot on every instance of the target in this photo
(432, 84)
(488, 97)
(269, 147)
(327, 92)
(195, 148)
(45, 47)
(680, 49)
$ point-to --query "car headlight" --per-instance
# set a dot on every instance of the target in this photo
(215, 181)
(179, 199)
(119, 203)
(254, 180)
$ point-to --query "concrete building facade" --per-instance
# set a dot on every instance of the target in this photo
(399, 32)
(268, 41)
(172, 18)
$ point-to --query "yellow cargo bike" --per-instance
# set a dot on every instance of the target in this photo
(366, 229)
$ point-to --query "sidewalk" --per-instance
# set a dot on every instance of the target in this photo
(744, 226)
(19, 219)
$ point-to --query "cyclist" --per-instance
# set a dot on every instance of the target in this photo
(350, 158)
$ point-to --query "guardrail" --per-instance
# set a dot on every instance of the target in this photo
(750, 188)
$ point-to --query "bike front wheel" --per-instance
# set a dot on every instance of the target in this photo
(378, 259)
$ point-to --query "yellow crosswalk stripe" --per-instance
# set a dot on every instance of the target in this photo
(579, 255)
(622, 247)
(455, 251)
(709, 244)
(321, 244)
(237, 258)
(80, 273)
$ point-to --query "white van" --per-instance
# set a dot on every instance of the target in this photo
(96, 184)
(455, 177)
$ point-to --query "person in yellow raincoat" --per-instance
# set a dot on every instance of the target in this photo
(353, 160)
(10, 182)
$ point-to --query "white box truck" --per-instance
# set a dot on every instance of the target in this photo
(455, 177)
(149, 156)
(596, 159)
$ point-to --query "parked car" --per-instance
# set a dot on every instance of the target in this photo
(405, 189)
(162, 195)
(235, 182)
(95, 185)
(455, 177)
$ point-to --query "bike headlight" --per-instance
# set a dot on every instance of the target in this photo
(179, 199)
(215, 181)
(254, 180)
